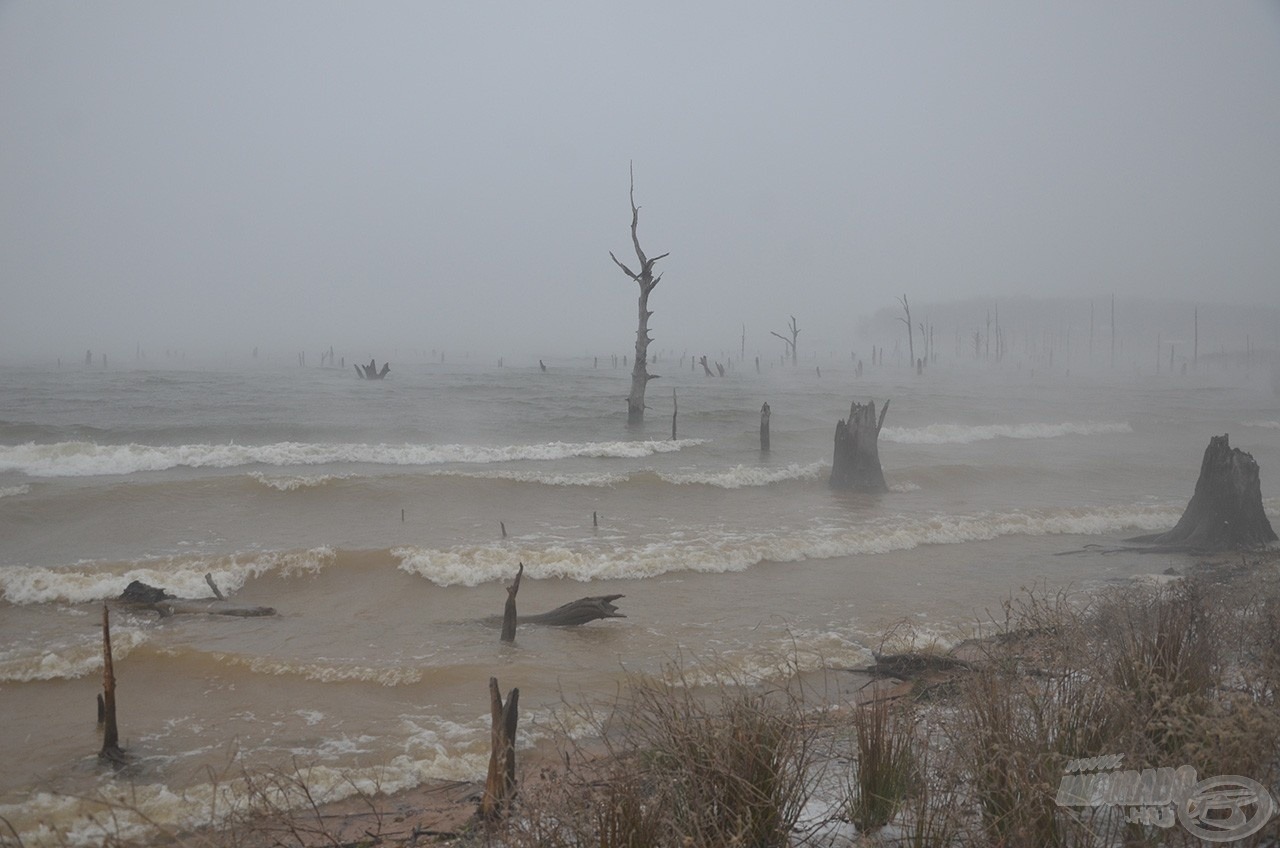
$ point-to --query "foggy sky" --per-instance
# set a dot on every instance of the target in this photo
(219, 175)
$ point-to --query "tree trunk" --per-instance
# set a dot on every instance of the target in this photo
(640, 375)
(764, 427)
(1225, 512)
(856, 463)
(573, 613)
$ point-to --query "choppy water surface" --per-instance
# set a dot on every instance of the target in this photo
(288, 486)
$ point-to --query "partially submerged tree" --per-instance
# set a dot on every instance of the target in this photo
(791, 342)
(640, 375)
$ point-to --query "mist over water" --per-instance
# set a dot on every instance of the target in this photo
(287, 486)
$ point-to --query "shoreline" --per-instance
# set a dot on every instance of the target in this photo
(443, 812)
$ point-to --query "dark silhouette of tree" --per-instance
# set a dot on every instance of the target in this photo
(640, 375)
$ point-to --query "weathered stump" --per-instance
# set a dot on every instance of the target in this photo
(764, 427)
(1225, 512)
(856, 463)
(500, 784)
(371, 372)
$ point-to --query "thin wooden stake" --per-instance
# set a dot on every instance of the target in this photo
(503, 525)
(595, 521)
(675, 409)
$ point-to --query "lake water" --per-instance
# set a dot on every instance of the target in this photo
(288, 485)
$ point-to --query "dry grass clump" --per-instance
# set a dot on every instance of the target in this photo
(718, 766)
(887, 767)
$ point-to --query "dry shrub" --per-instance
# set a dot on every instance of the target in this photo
(729, 764)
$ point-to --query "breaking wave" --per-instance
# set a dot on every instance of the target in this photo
(325, 672)
(292, 484)
(725, 551)
(85, 459)
(66, 660)
(182, 576)
(743, 476)
(961, 434)
(13, 491)
(1266, 425)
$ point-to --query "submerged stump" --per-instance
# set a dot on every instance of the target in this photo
(1225, 512)
(856, 463)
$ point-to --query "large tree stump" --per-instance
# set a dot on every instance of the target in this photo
(856, 463)
(1225, 512)
(500, 784)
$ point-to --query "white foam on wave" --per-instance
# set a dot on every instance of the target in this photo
(591, 479)
(14, 491)
(724, 551)
(86, 459)
(154, 809)
(1266, 425)
(961, 434)
(181, 576)
(294, 483)
(743, 476)
(324, 672)
(66, 660)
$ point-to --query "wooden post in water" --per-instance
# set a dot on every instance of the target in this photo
(500, 785)
(107, 706)
(675, 408)
(764, 428)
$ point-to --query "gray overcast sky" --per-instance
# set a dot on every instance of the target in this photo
(223, 174)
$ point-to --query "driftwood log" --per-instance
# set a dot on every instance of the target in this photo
(856, 463)
(1225, 512)
(139, 595)
(571, 614)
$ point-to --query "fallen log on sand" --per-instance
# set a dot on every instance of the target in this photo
(139, 595)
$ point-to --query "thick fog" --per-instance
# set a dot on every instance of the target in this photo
(218, 176)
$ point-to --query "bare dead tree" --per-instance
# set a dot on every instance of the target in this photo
(911, 345)
(640, 375)
(791, 342)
